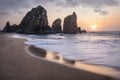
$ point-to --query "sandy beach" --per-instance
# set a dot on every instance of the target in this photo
(16, 64)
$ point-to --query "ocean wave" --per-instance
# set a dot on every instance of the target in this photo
(95, 48)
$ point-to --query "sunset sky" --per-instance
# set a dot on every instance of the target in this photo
(99, 15)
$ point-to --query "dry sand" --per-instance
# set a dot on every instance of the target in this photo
(16, 64)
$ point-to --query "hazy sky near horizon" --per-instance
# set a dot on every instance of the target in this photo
(105, 14)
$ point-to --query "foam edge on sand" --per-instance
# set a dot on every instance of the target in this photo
(53, 57)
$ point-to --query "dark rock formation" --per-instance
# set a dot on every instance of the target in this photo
(79, 30)
(0, 31)
(70, 24)
(7, 27)
(10, 28)
(56, 26)
(35, 22)
(14, 28)
(83, 31)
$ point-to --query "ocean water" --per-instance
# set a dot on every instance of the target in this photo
(100, 48)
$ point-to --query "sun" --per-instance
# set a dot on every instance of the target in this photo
(94, 27)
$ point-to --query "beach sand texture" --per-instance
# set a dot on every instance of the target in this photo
(16, 64)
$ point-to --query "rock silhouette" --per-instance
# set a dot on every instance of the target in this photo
(56, 26)
(70, 24)
(83, 31)
(7, 27)
(10, 28)
(79, 30)
(35, 22)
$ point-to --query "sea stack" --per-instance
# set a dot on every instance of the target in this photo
(7, 27)
(70, 24)
(79, 30)
(56, 26)
(10, 28)
(35, 22)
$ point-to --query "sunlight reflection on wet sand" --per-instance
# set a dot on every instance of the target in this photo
(54, 57)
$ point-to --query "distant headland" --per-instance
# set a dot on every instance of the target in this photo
(36, 22)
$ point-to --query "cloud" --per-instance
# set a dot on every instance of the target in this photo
(3, 13)
(12, 5)
(45, 1)
(89, 3)
(97, 5)
(101, 12)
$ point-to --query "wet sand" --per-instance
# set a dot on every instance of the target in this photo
(17, 64)
(54, 57)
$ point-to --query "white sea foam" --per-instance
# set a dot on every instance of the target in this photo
(101, 48)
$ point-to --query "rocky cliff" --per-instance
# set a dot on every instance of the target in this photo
(70, 24)
(7, 27)
(35, 22)
(10, 28)
(56, 26)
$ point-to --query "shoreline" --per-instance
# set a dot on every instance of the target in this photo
(53, 57)
(17, 64)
